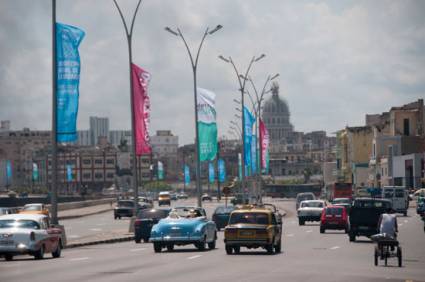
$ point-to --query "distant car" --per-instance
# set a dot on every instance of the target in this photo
(145, 203)
(310, 210)
(182, 196)
(37, 208)
(28, 234)
(184, 226)
(334, 217)
(125, 208)
(206, 197)
(173, 197)
(164, 198)
(420, 206)
(303, 197)
(398, 196)
(254, 227)
(221, 216)
(144, 222)
(343, 202)
(4, 211)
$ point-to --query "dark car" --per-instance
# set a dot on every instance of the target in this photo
(221, 216)
(420, 206)
(206, 197)
(144, 222)
(343, 202)
(364, 216)
(124, 208)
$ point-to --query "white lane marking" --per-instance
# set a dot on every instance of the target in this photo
(136, 250)
(308, 231)
(293, 221)
(79, 259)
(406, 221)
(401, 224)
(290, 235)
(101, 224)
(194, 257)
(334, 248)
(73, 236)
(96, 229)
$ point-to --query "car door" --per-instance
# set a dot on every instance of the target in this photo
(277, 225)
(52, 235)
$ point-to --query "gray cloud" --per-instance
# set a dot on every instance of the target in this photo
(337, 59)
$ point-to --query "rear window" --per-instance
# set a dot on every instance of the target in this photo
(12, 223)
(388, 193)
(221, 210)
(333, 211)
(32, 208)
(153, 214)
(372, 204)
(312, 205)
(399, 193)
(126, 204)
(305, 197)
(249, 217)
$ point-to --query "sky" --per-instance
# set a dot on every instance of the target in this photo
(337, 60)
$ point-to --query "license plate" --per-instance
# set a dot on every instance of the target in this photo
(6, 242)
(333, 223)
(363, 227)
(175, 233)
(246, 233)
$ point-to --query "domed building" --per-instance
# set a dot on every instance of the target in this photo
(276, 116)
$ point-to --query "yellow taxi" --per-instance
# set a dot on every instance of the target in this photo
(254, 226)
(34, 209)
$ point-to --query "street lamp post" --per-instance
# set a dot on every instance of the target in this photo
(242, 83)
(194, 64)
(129, 35)
(259, 99)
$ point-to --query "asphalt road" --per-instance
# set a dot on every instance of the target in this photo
(307, 256)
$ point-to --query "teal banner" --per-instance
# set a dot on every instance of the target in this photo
(207, 125)
(186, 175)
(211, 172)
(34, 172)
(68, 38)
(160, 171)
(221, 171)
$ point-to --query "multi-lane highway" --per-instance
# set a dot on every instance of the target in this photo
(307, 256)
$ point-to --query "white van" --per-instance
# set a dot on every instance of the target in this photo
(399, 197)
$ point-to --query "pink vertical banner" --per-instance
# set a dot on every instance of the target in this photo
(141, 108)
(264, 141)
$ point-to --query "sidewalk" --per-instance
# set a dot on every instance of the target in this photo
(101, 238)
(76, 213)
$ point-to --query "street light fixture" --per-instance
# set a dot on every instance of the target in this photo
(242, 82)
(194, 64)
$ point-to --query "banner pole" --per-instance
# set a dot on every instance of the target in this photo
(53, 196)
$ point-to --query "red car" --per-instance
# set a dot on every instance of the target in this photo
(334, 217)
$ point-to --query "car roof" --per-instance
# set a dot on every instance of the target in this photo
(312, 201)
(255, 209)
(27, 216)
(334, 207)
(33, 204)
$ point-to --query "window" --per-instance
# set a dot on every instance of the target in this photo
(86, 175)
(110, 175)
(406, 127)
(98, 175)
(86, 162)
(98, 161)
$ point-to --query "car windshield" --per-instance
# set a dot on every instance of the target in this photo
(333, 211)
(12, 223)
(153, 214)
(249, 217)
(185, 212)
(341, 201)
(312, 205)
(305, 197)
(32, 208)
(221, 210)
(126, 204)
(389, 193)
(372, 204)
(399, 193)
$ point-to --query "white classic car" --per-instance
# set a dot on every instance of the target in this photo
(29, 234)
(310, 210)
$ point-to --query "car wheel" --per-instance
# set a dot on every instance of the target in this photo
(218, 228)
(157, 247)
(269, 249)
(301, 222)
(8, 257)
(40, 253)
(237, 249)
(58, 251)
(399, 256)
(376, 256)
(170, 248)
(278, 247)
(229, 250)
(146, 240)
(322, 229)
(211, 245)
(115, 217)
(352, 237)
(201, 245)
(137, 240)
(405, 213)
(346, 230)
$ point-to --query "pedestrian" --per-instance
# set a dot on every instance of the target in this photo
(388, 225)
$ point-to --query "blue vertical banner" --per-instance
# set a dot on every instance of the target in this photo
(68, 172)
(68, 38)
(240, 166)
(34, 171)
(254, 155)
(211, 172)
(249, 122)
(8, 172)
(186, 175)
(221, 171)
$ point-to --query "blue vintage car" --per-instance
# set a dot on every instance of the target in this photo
(184, 226)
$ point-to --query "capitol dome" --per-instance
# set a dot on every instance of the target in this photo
(276, 116)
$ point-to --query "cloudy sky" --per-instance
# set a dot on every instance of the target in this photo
(337, 60)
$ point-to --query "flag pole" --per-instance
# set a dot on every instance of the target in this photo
(53, 191)
(129, 34)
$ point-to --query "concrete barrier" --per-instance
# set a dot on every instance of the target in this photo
(83, 204)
